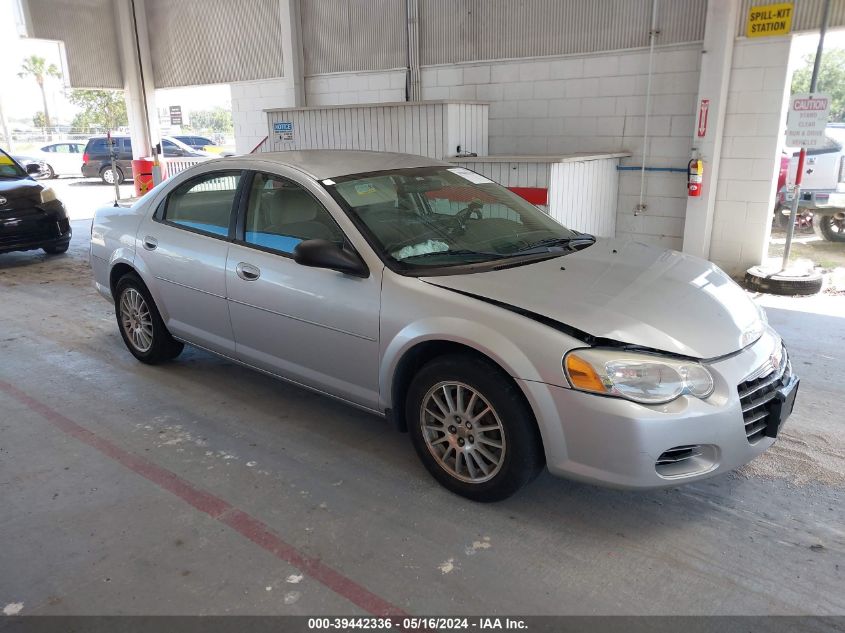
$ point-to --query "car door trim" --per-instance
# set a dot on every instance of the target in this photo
(288, 316)
(377, 412)
(176, 283)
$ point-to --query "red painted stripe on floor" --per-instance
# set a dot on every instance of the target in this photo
(244, 524)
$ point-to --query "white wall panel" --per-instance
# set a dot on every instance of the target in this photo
(433, 129)
(582, 191)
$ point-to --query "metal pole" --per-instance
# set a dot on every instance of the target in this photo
(796, 194)
(113, 169)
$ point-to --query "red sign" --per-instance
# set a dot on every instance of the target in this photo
(702, 117)
(810, 104)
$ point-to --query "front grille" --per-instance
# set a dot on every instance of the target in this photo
(757, 395)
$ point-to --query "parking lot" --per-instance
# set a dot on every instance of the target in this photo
(202, 487)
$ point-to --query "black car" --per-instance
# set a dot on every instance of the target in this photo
(30, 214)
(96, 160)
(195, 142)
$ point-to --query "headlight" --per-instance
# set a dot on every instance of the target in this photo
(47, 195)
(639, 377)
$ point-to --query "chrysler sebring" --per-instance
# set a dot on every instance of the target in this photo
(500, 340)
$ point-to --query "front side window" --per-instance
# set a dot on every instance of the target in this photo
(204, 203)
(448, 216)
(281, 214)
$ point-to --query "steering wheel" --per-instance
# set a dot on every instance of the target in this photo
(461, 217)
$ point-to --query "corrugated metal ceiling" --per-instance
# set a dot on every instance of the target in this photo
(195, 42)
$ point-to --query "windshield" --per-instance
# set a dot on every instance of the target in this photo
(447, 216)
(9, 168)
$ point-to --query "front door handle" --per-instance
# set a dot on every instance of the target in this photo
(150, 243)
(247, 272)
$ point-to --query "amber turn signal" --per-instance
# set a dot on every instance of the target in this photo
(582, 375)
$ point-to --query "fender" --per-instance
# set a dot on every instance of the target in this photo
(478, 336)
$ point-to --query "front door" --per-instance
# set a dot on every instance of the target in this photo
(314, 326)
(184, 245)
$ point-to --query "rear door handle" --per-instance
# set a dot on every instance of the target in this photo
(247, 272)
(150, 243)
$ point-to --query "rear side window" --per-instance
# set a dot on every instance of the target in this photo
(97, 146)
(204, 203)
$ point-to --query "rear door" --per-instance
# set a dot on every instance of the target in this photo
(183, 246)
(315, 326)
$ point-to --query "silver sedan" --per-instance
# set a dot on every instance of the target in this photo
(500, 340)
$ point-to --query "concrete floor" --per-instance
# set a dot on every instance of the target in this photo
(200, 487)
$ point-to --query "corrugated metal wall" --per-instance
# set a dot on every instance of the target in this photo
(425, 128)
(87, 27)
(357, 35)
(347, 35)
(196, 42)
(469, 30)
(807, 16)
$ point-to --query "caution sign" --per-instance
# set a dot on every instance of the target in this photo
(806, 120)
(770, 19)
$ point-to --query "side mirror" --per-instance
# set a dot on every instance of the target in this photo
(326, 254)
(33, 169)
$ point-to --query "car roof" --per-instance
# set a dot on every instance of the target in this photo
(331, 163)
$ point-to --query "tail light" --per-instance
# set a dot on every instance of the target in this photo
(85, 157)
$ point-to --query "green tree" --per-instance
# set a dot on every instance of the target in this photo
(216, 120)
(38, 68)
(39, 120)
(831, 79)
(100, 108)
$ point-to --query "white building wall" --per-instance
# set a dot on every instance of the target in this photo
(249, 100)
(753, 137)
(565, 105)
(361, 87)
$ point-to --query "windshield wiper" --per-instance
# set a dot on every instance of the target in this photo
(570, 243)
(462, 252)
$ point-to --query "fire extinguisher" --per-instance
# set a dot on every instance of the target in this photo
(695, 170)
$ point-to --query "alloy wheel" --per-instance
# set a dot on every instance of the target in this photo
(463, 432)
(136, 320)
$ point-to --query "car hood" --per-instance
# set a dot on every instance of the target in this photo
(15, 190)
(628, 292)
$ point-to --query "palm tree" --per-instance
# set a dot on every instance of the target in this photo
(36, 67)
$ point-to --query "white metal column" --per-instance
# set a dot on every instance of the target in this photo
(719, 34)
(136, 65)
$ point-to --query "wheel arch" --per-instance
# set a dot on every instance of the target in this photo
(404, 358)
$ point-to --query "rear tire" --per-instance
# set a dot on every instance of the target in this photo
(829, 228)
(140, 323)
(108, 177)
(472, 428)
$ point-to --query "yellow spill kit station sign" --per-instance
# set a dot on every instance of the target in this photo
(769, 19)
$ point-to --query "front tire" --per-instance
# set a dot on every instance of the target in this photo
(56, 249)
(472, 428)
(140, 323)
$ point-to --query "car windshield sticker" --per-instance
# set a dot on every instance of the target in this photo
(466, 174)
(5, 160)
(364, 188)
